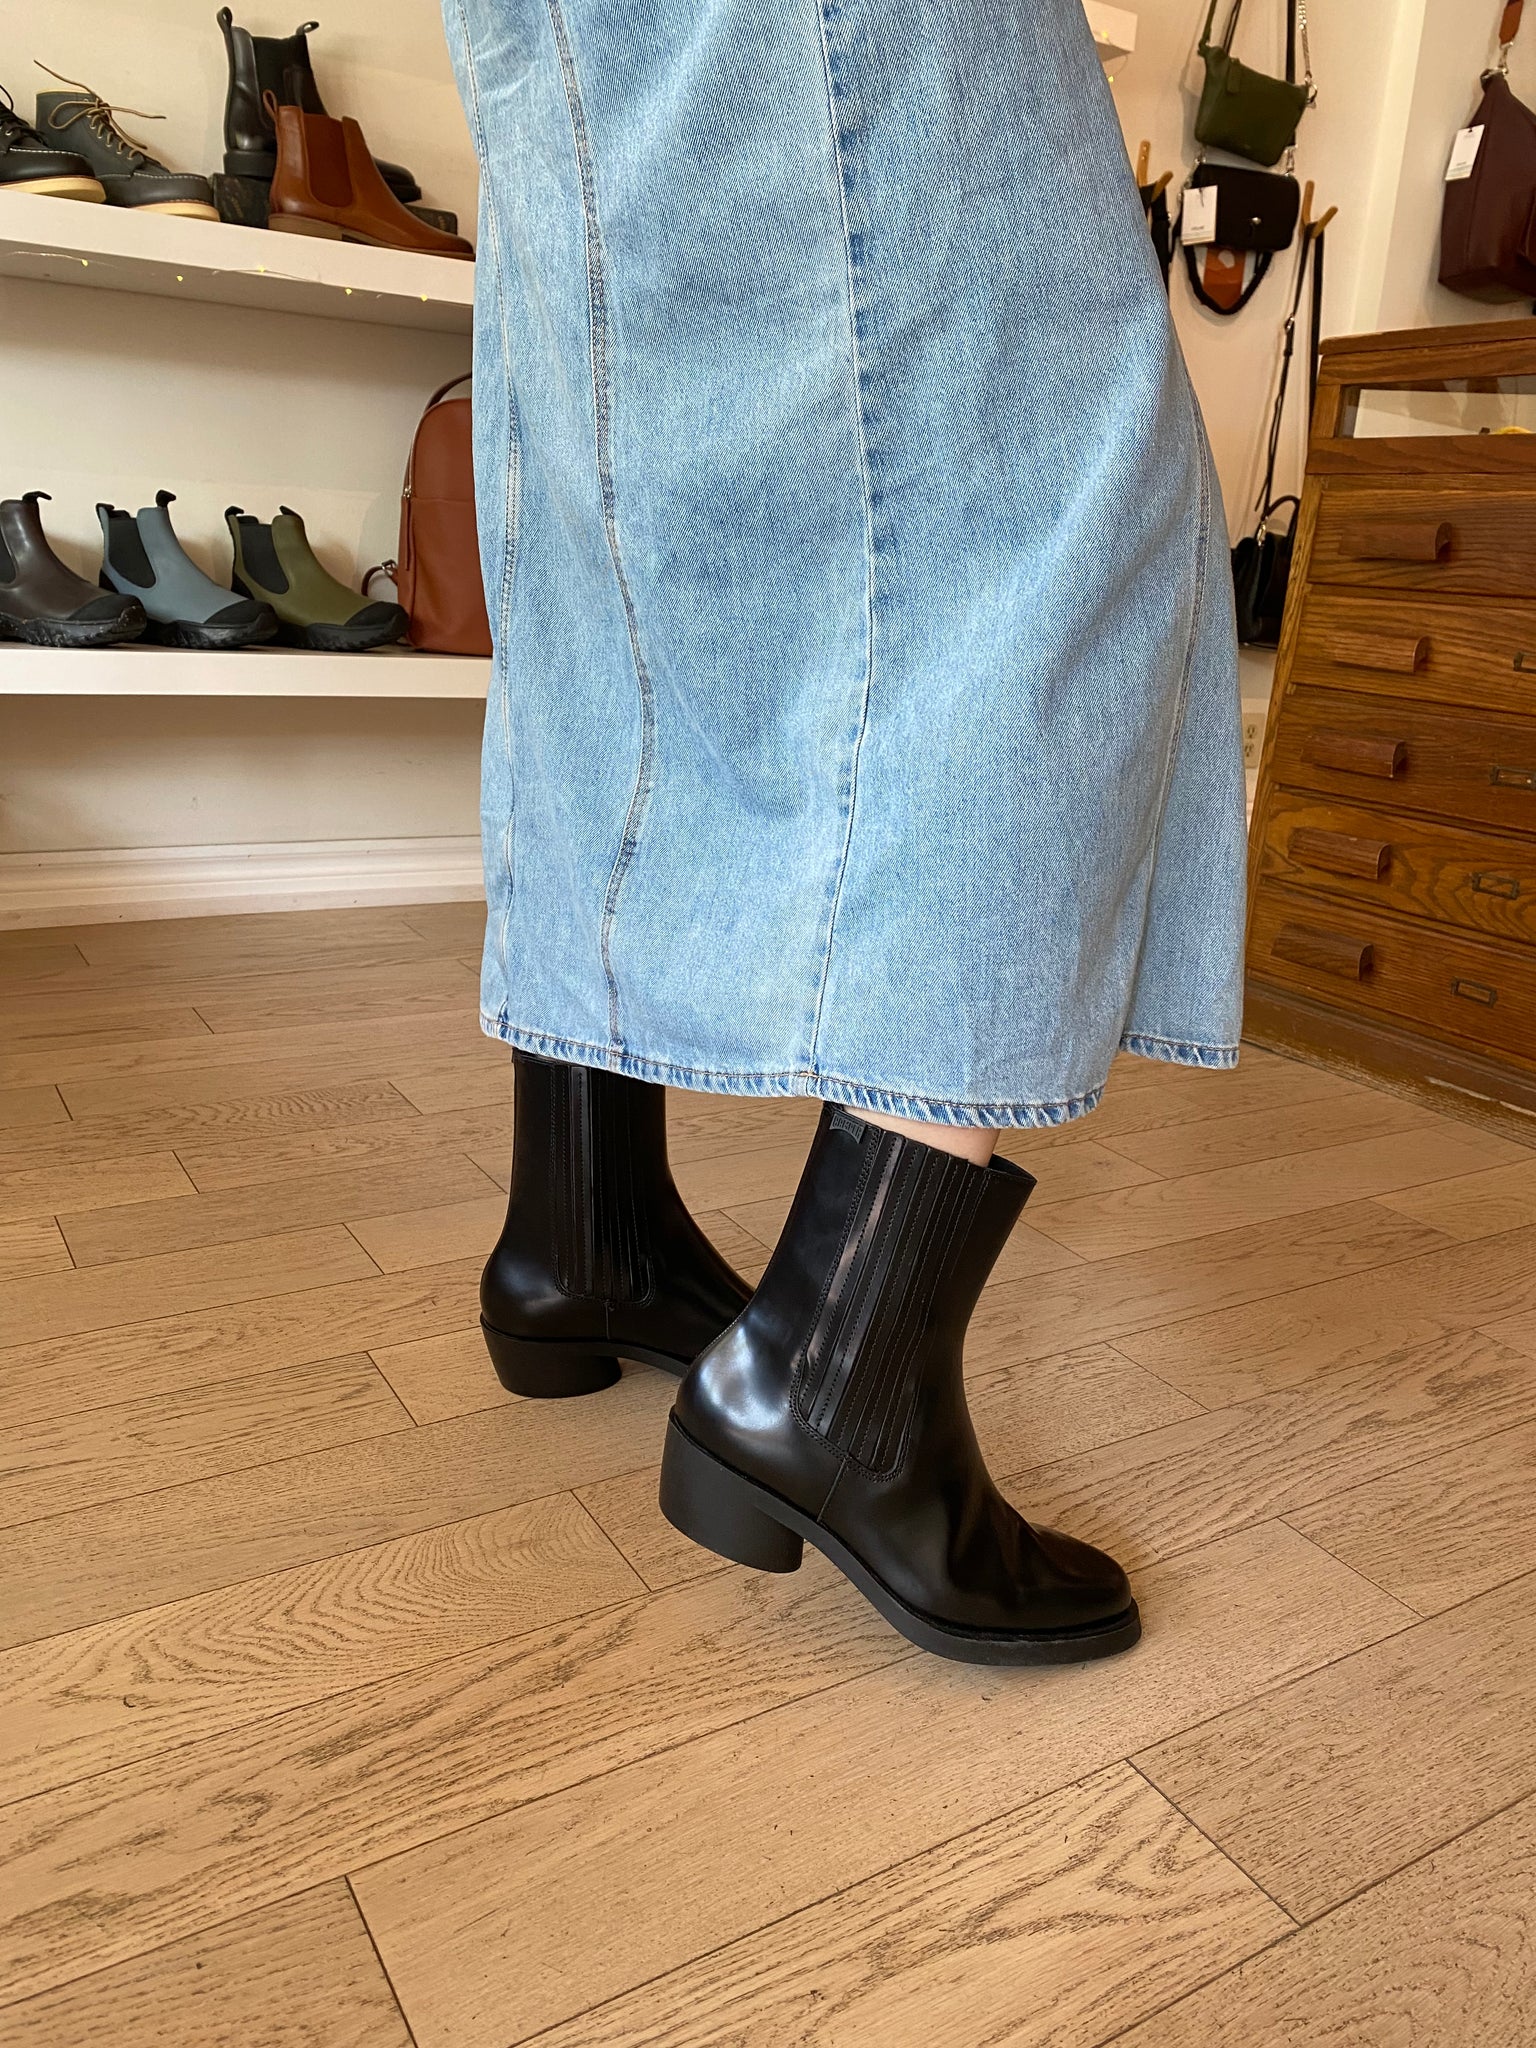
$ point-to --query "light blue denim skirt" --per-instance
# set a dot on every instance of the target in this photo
(864, 719)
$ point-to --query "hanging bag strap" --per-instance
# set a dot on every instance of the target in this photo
(1266, 503)
(1315, 361)
(1509, 28)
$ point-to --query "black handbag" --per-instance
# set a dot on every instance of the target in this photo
(1256, 213)
(1261, 561)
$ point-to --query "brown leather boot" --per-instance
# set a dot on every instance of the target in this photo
(328, 184)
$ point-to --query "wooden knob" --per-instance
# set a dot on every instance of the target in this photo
(1340, 853)
(1396, 540)
(1356, 753)
(1400, 653)
(1330, 952)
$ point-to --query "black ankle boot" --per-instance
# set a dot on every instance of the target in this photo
(834, 1410)
(598, 1256)
(278, 65)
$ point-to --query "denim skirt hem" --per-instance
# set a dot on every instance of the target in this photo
(853, 1094)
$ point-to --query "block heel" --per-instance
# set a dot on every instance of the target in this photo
(548, 1371)
(719, 1509)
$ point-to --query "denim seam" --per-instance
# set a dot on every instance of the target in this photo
(853, 272)
(512, 510)
(803, 1082)
(602, 422)
(1181, 702)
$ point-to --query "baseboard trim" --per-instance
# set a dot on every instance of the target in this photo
(109, 885)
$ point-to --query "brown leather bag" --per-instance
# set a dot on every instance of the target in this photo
(438, 571)
(1488, 234)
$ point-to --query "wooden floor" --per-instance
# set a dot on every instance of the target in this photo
(346, 1701)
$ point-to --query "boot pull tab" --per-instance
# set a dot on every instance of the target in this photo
(164, 498)
(32, 497)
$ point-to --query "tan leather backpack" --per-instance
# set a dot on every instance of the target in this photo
(438, 571)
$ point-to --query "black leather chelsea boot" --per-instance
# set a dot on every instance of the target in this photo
(598, 1257)
(279, 65)
(833, 1412)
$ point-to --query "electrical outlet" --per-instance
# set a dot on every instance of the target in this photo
(1255, 718)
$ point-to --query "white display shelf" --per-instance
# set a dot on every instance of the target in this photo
(66, 241)
(252, 672)
(1114, 30)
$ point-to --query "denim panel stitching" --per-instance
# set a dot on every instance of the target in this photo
(852, 254)
(602, 400)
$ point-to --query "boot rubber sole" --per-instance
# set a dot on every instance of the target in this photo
(70, 632)
(89, 189)
(542, 1370)
(339, 639)
(750, 1524)
(213, 639)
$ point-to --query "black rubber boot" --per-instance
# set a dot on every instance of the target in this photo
(279, 65)
(598, 1257)
(43, 601)
(834, 1412)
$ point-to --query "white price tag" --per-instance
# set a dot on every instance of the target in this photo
(1463, 154)
(1199, 216)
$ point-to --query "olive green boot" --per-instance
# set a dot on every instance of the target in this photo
(276, 564)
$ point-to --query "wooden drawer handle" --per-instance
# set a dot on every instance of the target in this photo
(1526, 663)
(1340, 853)
(1332, 952)
(1399, 653)
(1475, 992)
(1357, 753)
(1507, 886)
(1396, 540)
(1512, 778)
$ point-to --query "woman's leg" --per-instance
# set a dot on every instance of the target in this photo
(963, 1140)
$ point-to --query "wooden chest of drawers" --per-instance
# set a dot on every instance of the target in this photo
(1392, 912)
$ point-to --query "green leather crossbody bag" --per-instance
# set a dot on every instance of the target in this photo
(1246, 111)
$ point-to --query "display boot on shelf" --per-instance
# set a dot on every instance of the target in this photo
(327, 184)
(275, 563)
(279, 65)
(834, 1412)
(28, 164)
(81, 120)
(142, 558)
(42, 600)
(598, 1257)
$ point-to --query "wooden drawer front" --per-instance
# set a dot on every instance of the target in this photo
(1420, 647)
(1427, 539)
(1412, 865)
(1451, 987)
(1409, 756)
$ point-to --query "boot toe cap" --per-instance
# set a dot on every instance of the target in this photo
(1088, 1583)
